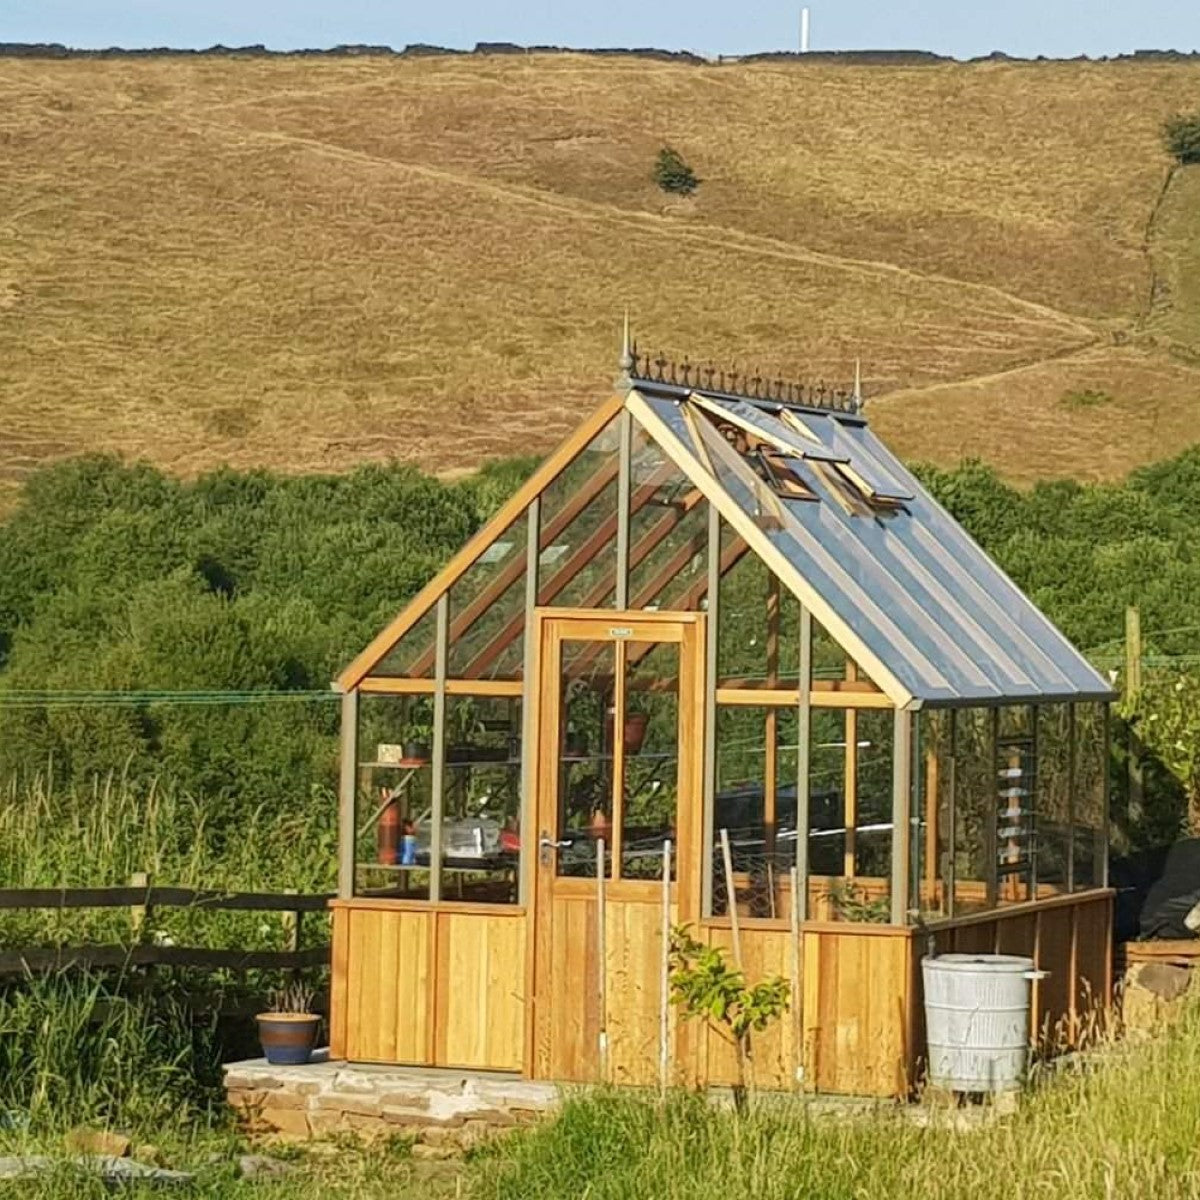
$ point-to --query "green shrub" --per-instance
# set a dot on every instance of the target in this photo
(1181, 133)
(672, 174)
(1085, 398)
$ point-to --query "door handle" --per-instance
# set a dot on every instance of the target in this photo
(547, 844)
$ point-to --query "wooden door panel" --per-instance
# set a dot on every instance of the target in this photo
(568, 1013)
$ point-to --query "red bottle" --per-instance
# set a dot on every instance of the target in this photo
(387, 832)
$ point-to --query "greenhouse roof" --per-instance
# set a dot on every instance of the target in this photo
(853, 534)
(798, 476)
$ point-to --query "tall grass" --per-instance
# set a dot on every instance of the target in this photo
(80, 1049)
(1124, 1129)
(101, 835)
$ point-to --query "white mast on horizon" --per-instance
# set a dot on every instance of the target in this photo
(804, 31)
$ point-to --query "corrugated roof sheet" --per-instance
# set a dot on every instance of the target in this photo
(882, 563)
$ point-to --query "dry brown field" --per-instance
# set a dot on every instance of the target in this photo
(305, 264)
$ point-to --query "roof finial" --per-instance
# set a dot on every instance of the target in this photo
(857, 395)
(625, 362)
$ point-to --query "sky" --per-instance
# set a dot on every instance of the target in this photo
(963, 28)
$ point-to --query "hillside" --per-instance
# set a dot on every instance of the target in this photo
(309, 263)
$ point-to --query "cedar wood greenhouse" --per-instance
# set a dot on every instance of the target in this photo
(721, 661)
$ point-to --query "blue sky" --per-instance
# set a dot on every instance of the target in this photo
(1056, 28)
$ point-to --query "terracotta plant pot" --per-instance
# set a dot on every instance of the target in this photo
(288, 1038)
(635, 731)
(416, 752)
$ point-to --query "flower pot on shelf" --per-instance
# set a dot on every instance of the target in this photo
(288, 1038)
(575, 745)
(416, 753)
(635, 731)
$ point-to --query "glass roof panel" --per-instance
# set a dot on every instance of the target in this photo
(859, 456)
(761, 423)
(905, 581)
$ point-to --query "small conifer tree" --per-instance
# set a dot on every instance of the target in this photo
(1181, 133)
(672, 174)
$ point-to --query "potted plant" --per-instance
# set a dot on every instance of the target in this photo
(634, 725)
(636, 720)
(418, 732)
(852, 903)
(288, 1032)
(462, 727)
(575, 739)
(575, 742)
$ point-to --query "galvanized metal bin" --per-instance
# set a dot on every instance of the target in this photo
(977, 1020)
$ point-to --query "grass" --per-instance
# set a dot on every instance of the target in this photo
(1123, 1127)
(140, 1055)
(1121, 1123)
(100, 837)
(310, 263)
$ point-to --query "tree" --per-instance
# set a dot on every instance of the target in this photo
(705, 986)
(1181, 133)
(672, 174)
(1166, 716)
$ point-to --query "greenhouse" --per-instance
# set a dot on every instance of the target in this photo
(720, 662)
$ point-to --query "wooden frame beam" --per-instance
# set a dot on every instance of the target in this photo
(850, 783)
(438, 789)
(379, 685)
(901, 805)
(785, 697)
(712, 585)
(596, 541)
(803, 762)
(771, 732)
(763, 546)
(504, 579)
(347, 794)
(508, 512)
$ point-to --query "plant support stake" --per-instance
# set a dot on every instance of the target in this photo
(601, 952)
(797, 980)
(665, 982)
(731, 903)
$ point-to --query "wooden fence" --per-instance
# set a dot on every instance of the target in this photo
(141, 899)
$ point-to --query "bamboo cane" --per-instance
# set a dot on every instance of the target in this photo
(601, 964)
(797, 981)
(665, 982)
(736, 937)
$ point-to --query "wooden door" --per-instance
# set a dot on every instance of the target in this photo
(619, 750)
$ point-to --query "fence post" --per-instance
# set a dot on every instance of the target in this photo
(139, 914)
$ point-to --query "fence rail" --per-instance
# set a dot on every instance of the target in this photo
(141, 898)
(161, 897)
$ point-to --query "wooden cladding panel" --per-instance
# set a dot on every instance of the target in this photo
(857, 997)
(1092, 957)
(426, 987)
(339, 982)
(1052, 995)
(765, 952)
(567, 1039)
(1068, 937)
(633, 1008)
(388, 985)
(480, 988)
